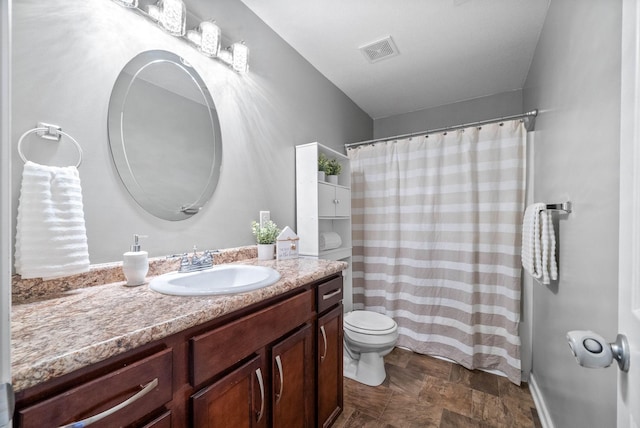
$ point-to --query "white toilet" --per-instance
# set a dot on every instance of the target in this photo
(368, 337)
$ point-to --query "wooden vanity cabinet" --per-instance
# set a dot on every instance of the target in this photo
(256, 394)
(277, 363)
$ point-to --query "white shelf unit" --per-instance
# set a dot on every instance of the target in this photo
(323, 207)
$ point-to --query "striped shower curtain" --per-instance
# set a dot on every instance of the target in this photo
(436, 241)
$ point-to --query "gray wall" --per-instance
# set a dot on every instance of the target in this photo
(575, 82)
(483, 108)
(66, 57)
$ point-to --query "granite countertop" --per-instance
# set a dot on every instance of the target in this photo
(57, 333)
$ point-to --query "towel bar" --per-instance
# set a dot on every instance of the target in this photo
(565, 206)
(49, 132)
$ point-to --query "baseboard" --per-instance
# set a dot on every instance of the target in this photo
(541, 407)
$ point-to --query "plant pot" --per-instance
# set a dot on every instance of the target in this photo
(266, 251)
(333, 179)
(321, 176)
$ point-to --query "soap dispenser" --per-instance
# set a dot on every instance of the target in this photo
(135, 263)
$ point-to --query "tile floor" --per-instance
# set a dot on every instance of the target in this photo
(421, 391)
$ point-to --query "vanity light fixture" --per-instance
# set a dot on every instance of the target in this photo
(225, 56)
(206, 38)
(171, 16)
(195, 37)
(127, 3)
(153, 12)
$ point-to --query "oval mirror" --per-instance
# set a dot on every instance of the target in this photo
(164, 135)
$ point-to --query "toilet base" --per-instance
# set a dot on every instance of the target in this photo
(369, 369)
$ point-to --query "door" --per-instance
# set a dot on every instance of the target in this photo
(237, 400)
(629, 236)
(343, 202)
(292, 385)
(326, 200)
(5, 208)
(329, 366)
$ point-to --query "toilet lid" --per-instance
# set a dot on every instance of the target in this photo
(369, 322)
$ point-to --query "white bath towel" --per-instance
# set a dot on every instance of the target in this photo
(539, 244)
(329, 241)
(51, 238)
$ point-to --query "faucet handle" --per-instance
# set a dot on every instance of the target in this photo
(175, 256)
(184, 258)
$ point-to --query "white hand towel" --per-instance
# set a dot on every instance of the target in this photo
(549, 240)
(51, 238)
(329, 241)
(531, 256)
(538, 243)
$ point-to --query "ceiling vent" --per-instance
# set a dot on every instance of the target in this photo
(379, 50)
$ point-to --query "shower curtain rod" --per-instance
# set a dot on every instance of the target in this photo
(528, 117)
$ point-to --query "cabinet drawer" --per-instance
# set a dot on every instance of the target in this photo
(106, 392)
(162, 421)
(219, 349)
(329, 293)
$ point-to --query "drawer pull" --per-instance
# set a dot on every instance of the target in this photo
(95, 418)
(324, 338)
(330, 295)
(279, 394)
(261, 383)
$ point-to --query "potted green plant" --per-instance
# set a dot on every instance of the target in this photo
(322, 166)
(333, 170)
(266, 236)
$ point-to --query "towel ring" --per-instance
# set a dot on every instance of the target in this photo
(59, 131)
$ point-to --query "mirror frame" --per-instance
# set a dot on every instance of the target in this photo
(117, 143)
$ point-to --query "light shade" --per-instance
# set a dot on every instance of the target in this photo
(173, 16)
(240, 57)
(210, 43)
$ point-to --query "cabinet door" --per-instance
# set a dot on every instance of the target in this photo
(326, 200)
(237, 400)
(292, 388)
(342, 202)
(329, 366)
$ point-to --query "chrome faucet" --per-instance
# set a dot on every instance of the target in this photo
(194, 262)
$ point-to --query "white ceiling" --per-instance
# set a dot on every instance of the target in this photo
(450, 50)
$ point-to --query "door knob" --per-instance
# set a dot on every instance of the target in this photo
(593, 351)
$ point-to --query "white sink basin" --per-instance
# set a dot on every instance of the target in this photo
(223, 279)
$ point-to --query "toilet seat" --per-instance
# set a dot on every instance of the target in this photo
(371, 323)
